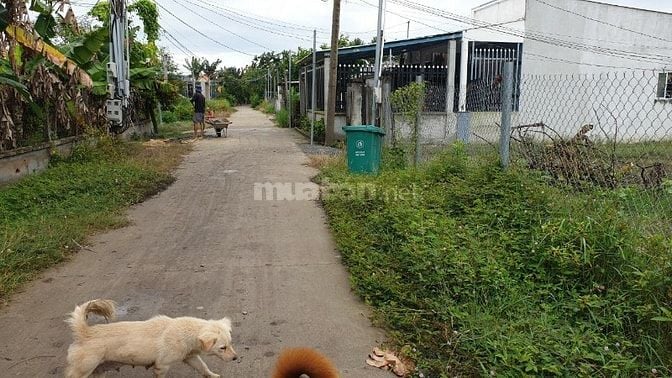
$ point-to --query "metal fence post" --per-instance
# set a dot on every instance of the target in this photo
(507, 110)
(418, 120)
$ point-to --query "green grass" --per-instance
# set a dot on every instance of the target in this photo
(220, 105)
(477, 271)
(174, 130)
(44, 216)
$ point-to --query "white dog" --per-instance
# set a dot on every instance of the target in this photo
(155, 343)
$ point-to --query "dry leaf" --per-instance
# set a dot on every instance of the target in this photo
(375, 363)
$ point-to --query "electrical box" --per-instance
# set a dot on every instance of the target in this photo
(114, 110)
(112, 69)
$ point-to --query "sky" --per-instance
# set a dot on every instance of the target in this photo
(236, 30)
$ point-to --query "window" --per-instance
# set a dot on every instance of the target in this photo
(665, 86)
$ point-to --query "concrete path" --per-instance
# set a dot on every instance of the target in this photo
(206, 248)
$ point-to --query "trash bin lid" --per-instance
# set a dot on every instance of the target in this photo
(364, 128)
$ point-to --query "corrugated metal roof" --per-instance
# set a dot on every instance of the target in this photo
(397, 47)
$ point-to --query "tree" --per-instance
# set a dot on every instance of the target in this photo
(210, 69)
(195, 67)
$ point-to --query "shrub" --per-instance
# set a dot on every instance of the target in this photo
(184, 110)
(282, 118)
(479, 271)
(255, 100)
(220, 105)
(169, 117)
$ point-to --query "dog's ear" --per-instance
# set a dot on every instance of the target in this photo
(207, 340)
(227, 323)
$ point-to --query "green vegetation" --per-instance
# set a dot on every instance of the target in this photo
(183, 110)
(266, 107)
(176, 130)
(282, 118)
(43, 217)
(318, 130)
(479, 271)
(220, 105)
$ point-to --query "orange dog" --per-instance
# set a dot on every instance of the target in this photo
(293, 363)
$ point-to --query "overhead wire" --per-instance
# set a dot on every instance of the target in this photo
(201, 33)
(649, 58)
(220, 27)
(217, 10)
(177, 42)
(604, 22)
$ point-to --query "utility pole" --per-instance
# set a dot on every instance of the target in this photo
(118, 70)
(289, 93)
(408, 29)
(377, 93)
(313, 94)
(333, 67)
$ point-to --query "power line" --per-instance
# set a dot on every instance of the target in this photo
(604, 22)
(248, 23)
(201, 33)
(177, 43)
(287, 25)
(544, 57)
(219, 26)
(539, 37)
(400, 15)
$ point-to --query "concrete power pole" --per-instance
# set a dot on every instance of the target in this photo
(330, 136)
(289, 92)
(380, 45)
(118, 69)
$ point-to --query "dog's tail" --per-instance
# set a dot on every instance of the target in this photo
(292, 363)
(103, 307)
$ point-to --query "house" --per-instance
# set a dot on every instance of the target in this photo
(559, 49)
(208, 87)
(587, 62)
(451, 64)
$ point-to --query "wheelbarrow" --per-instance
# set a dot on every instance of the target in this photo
(219, 125)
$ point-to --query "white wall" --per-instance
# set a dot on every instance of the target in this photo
(566, 87)
(500, 11)
(562, 25)
(511, 12)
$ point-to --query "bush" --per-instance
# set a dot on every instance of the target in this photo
(169, 117)
(318, 131)
(219, 105)
(282, 118)
(255, 100)
(479, 271)
(184, 110)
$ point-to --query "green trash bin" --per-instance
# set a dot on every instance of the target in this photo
(364, 147)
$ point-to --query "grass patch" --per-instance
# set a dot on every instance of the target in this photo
(43, 216)
(477, 271)
(266, 107)
(176, 130)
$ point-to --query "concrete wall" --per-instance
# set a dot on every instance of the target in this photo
(339, 122)
(434, 129)
(18, 163)
(499, 11)
(139, 129)
(511, 12)
(571, 27)
(567, 87)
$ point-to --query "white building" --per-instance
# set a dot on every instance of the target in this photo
(591, 62)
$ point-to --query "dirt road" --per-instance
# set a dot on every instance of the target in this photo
(205, 247)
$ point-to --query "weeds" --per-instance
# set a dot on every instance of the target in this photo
(478, 271)
(43, 217)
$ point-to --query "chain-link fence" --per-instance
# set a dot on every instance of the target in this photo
(604, 131)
